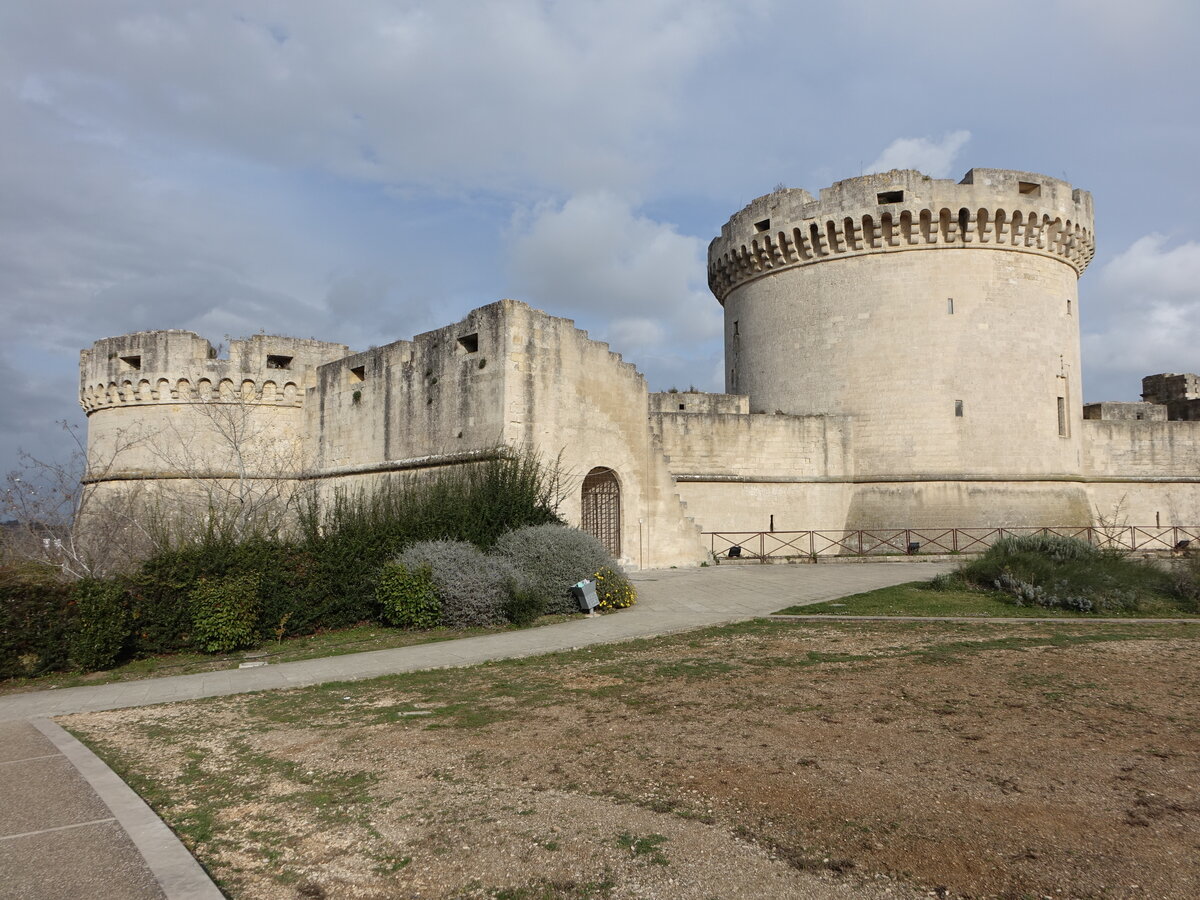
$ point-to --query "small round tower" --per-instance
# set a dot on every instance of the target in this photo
(941, 318)
(165, 407)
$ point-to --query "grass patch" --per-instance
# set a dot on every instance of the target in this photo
(339, 642)
(917, 598)
(241, 787)
(649, 847)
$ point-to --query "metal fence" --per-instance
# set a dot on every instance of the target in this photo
(767, 545)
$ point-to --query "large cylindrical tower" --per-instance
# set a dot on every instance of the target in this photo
(940, 317)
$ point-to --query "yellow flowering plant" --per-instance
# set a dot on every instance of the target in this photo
(613, 589)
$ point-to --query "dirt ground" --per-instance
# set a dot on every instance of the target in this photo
(767, 760)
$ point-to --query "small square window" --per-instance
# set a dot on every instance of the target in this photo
(764, 225)
(681, 406)
(275, 361)
(131, 363)
(358, 373)
(469, 343)
(958, 408)
(890, 197)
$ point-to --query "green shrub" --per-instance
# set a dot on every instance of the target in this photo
(407, 598)
(1064, 573)
(1185, 583)
(613, 589)
(225, 613)
(352, 535)
(552, 558)
(948, 581)
(524, 606)
(1052, 546)
(36, 615)
(472, 587)
(102, 624)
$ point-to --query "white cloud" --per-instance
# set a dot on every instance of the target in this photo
(933, 157)
(1142, 317)
(630, 280)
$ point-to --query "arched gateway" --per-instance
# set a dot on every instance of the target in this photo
(601, 508)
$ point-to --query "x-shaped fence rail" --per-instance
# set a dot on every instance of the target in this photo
(768, 545)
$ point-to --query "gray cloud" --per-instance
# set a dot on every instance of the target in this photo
(633, 281)
(498, 96)
(1142, 317)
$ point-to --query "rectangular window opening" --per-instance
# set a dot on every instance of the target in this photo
(764, 225)
(1062, 416)
(131, 363)
(1029, 188)
(950, 306)
(1068, 306)
(735, 327)
(890, 197)
(681, 406)
(358, 373)
(275, 361)
(958, 408)
(469, 343)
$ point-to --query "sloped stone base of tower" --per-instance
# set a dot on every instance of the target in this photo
(968, 504)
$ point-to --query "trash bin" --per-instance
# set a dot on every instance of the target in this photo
(585, 595)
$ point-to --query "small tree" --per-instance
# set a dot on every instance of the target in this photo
(47, 503)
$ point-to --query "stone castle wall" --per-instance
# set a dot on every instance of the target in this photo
(901, 351)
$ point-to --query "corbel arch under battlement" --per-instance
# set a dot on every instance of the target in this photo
(929, 228)
(904, 211)
(164, 390)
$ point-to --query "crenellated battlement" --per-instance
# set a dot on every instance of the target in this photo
(902, 210)
(172, 367)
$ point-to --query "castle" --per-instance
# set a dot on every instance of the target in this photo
(901, 351)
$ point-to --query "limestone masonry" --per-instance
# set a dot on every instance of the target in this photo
(900, 352)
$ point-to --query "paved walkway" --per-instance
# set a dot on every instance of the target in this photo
(69, 828)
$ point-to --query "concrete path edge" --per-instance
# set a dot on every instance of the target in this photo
(177, 872)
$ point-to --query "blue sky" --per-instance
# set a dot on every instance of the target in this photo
(364, 172)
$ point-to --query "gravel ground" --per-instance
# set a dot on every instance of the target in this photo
(764, 760)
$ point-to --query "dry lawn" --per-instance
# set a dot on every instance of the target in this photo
(766, 760)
